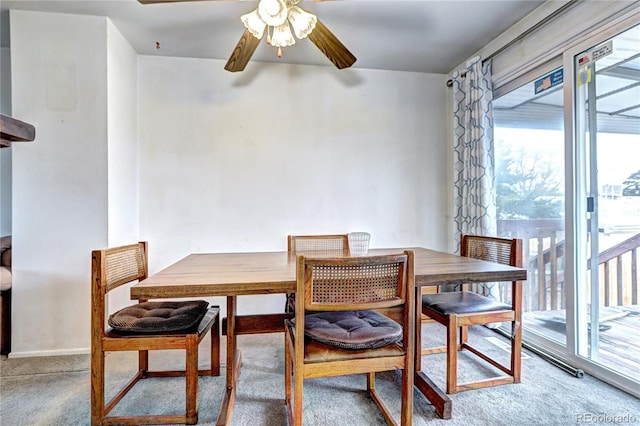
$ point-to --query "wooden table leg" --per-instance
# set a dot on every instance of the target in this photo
(418, 316)
(234, 359)
(440, 400)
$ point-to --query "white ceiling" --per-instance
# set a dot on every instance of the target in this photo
(417, 35)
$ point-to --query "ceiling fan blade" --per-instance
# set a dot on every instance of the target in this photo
(242, 52)
(331, 46)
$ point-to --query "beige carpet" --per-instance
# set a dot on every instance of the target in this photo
(56, 391)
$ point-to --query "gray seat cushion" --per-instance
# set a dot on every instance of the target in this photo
(461, 302)
(159, 317)
(352, 329)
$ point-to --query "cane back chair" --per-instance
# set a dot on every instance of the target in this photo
(326, 244)
(460, 309)
(143, 327)
(337, 332)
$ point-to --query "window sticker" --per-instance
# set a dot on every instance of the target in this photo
(548, 81)
(584, 77)
(595, 54)
(602, 51)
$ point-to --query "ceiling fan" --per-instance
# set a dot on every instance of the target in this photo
(277, 18)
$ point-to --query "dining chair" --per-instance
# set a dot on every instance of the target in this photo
(143, 327)
(337, 244)
(457, 310)
(339, 327)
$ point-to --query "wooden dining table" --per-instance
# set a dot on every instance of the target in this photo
(251, 273)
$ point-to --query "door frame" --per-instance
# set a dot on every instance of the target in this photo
(575, 220)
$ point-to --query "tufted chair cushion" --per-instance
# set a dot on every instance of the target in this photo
(352, 329)
(461, 302)
(159, 317)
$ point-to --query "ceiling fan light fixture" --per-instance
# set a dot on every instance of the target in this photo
(282, 36)
(302, 21)
(273, 12)
(254, 24)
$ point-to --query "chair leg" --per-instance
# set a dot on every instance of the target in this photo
(287, 370)
(375, 396)
(516, 350)
(97, 388)
(452, 355)
(289, 348)
(406, 415)
(294, 375)
(289, 302)
(143, 363)
(371, 382)
(297, 396)
(191, 378)
(464, 336)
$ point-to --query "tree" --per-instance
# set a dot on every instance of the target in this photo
(528, 186)
(632, 185)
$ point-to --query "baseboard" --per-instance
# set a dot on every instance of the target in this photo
(60, 352)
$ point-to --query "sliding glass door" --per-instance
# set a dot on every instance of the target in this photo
(529, 159)
(606, 85)
(567, 156)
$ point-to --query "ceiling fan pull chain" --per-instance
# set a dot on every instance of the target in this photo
(279, 52)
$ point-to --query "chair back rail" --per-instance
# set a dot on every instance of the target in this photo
(119, 265)
(324, 243)
(354, 283)
(327, 244)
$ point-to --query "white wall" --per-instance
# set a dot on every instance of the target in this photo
(122, 62)
(122, 141)
(5, 153)
(5, 81)
(59, 76)
(78, 185)
(235, 162)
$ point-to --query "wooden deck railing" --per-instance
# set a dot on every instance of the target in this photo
(544, 255)
(624, 258)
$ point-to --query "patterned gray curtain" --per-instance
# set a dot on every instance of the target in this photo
(474, 176)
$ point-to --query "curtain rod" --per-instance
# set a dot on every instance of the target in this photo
(538, 25)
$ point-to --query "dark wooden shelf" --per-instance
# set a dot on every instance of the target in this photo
(14, 130)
